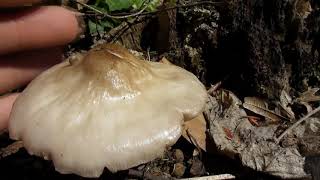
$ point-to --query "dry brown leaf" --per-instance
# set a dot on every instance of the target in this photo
(285, 102)
(214, 88)
(195, 131)
(256, 102)
(258, 106)
(11, 149)
(251, 144)
(309, 95)
(303, 8)
(285, 98)
(308, 106)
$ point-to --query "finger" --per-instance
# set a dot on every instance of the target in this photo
(17, 70)
(39, 27)
(12, 3)
(6, 103)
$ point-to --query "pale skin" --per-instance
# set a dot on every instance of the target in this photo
(31, 41)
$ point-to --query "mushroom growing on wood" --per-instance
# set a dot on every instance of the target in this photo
(105, 108)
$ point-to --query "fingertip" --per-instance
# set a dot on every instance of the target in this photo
(13, 3)
(40, 27)
(18, 69)
(6, 103)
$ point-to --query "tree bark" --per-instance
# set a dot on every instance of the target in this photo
(256, 47)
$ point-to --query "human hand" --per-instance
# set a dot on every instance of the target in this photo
(30, 42)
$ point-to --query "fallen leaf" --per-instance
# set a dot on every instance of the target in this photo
(285, 102)
(194, 131)
(303, 8)
(254, 120)
(307, 105)
(251, 144)
(214, 88)
(258, 106)
(314, 124)
(285, 98)
(309, 95)
(229, 134)
(11, 149)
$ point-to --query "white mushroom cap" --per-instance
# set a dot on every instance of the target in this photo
(105, 109)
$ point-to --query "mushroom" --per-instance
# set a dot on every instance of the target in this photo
(105, 108)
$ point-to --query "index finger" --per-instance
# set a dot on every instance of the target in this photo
(13, 3)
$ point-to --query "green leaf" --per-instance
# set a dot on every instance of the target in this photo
(115, 5)
(107, 24)
(95, 27)
(151, 5)
(137, 4)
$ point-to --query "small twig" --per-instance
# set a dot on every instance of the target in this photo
(89, 7)
(126, 25)
(141, 12)
(184, 6)
(127, 16)
(212, 177)
(277, 140)
(111, 16)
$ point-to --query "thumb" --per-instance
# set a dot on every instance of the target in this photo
(6, 103)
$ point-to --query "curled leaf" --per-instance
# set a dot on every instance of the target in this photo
(309, 95)
(196, 128)
(258, 106)
(285, 102)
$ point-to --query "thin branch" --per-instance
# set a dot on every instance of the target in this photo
(277, 140)
(89, 7)
(118, 31)
(111, 16)
(185, 6)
